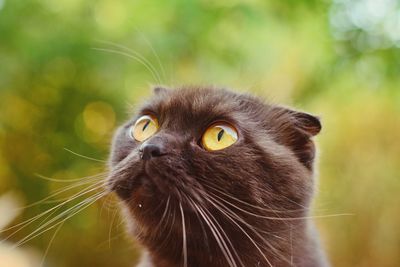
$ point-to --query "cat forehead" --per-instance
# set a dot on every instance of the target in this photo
(196, 103)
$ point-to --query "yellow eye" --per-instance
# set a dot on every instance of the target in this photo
(219, 136)
(144, 128)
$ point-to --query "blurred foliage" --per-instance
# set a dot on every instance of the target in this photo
(66, 82)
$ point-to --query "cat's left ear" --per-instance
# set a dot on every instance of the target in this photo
(158, 90)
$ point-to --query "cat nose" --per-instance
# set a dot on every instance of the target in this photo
(148, 151)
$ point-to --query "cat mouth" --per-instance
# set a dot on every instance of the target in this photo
(125, 177)
(155, 176)
(125, 182)
(126, 188)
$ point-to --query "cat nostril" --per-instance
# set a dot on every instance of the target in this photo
(149, 151)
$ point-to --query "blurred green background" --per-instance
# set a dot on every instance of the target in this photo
(67, 79)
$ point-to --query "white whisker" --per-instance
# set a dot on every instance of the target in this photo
(220, 241)
(25, 223)
(155, 54)
(212, 187)
(87, 180)
(83, 156)
(184, 244)
(51, 242)
(244, 232)
(164, 214)
(111, 227)
(75, 209)
(136, 56)
(225, 235)
(280, 218)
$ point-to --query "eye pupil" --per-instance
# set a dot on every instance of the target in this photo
(220, 134)
(145, 125)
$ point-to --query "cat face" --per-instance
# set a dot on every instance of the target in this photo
(197, 151)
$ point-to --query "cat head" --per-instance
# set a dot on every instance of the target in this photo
(197, 149)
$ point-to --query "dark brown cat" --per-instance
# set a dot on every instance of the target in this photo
(210, 177)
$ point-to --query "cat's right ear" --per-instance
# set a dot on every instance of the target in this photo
(296, 129)
(158, 90)
(306, 122)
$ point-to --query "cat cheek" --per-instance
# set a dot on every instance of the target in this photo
(196, 147)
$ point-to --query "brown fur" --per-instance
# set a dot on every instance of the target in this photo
(256, 192)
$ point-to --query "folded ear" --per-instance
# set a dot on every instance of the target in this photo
(306, 122)
(295, 130)
(157, 90)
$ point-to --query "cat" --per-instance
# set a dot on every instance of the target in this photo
(210, 177)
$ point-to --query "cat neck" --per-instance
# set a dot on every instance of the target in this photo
(294, 244)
